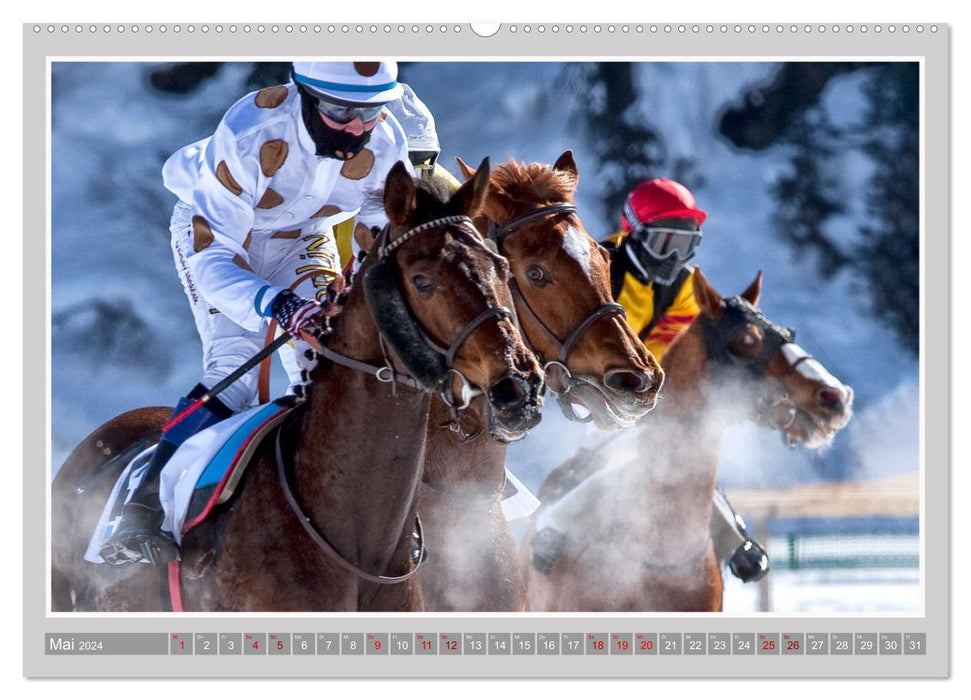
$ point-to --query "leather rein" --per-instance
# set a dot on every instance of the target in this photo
(325, 546)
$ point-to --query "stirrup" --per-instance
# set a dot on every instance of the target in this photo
(139, 537)
(157, 548)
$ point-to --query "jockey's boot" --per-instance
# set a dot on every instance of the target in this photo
(139, 534)
(749, 561)
(746, 558)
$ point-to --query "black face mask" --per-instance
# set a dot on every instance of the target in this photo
(330, 143)
(647, 267)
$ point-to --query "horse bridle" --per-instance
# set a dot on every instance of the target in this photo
(566, 381)
(386, 372)
(774, 410)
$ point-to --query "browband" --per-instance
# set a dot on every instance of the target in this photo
(387, 249)
(496, 232)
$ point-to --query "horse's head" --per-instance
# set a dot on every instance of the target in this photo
(789, 390)
(561, 288)
(440, 298)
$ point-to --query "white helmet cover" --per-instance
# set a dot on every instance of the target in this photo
(362, 82)
(416, 120)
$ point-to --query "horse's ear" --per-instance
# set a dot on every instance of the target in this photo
(400, 198)
(709, 301)
(363, 236)
(468, 172)
(754, 291)
(568, 166)
(471, 196)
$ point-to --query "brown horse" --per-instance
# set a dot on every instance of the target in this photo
(561, 288)
(626, 528)
(352, 459)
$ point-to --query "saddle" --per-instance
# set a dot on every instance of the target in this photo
(218, 481)
(202, 474)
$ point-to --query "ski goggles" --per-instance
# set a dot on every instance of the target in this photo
(665, 242)
(343, 112)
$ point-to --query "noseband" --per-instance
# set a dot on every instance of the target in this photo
(565, 380)
(468, 392)
(386, 372)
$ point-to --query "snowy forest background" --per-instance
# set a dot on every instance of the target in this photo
(808, 171)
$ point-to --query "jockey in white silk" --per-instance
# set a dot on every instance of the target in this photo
(256, 211)
(258, 201)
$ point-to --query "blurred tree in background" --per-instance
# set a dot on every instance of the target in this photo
(627, 149)
(885, 255)
(889, 253)
(181, 78)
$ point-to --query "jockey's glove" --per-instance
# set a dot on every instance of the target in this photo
(294, 313)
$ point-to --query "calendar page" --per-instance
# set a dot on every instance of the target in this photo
(527, 350)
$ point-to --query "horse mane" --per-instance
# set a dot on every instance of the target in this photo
(438, 192)
(530, 183)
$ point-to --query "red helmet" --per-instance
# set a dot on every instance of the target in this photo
(659, 199)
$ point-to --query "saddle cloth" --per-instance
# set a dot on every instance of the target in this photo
(203, 473)
(521, 504)
(198, 476)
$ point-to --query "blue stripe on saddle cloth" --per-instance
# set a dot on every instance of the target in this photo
(197, 467)
(202, 463)
(225, 458)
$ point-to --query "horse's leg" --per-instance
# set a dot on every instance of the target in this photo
(75, 583)
(510, 595)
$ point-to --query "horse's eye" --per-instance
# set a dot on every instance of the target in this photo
(537, 275)
(423, 284)
(747, 343)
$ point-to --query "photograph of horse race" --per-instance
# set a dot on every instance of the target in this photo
(537, 325)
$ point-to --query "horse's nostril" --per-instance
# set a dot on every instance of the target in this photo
(626, 381)
(509, 393)
(830, 398)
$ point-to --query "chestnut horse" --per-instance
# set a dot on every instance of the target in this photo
(561, 289)
(344, 475)
(627, 528)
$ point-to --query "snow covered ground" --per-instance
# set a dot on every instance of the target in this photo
(123, 335)
(831, 592)
(874, 573)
